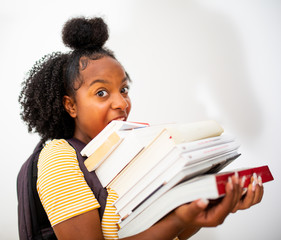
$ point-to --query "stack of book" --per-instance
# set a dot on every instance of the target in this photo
(154, 169)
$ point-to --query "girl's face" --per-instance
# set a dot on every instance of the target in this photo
(102, 97)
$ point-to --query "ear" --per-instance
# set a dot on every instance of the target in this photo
(70, 106)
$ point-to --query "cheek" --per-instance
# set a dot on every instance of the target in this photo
(100, 111)
(93, 113)
(129, 105)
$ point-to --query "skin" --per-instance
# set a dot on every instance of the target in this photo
(103, 97)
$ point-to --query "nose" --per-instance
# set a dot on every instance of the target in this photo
(119, 102)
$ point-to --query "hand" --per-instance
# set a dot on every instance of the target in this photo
(197, 213)
(252, 195)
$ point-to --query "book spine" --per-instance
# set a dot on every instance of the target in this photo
(205, 143)
(164, 177)
(100, 154)
(148, 179)
(209, 152)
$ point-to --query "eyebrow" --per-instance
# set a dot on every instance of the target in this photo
(106, 82)
(99, 81)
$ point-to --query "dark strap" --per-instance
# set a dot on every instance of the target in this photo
(91, 178)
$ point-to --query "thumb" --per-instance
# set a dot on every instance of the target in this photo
(188, 212)
(198, 206)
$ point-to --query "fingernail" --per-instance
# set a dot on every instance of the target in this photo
(260, 180)
(255, 177)
(254, 183)
(243, 181)
(203, 202)
(236, 177)
(244, 191)
(230, 183)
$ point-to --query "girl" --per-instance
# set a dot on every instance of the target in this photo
(77, 94)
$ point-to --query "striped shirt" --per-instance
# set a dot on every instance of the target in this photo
(63, 190)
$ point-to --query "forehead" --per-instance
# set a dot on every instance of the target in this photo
(104, 68)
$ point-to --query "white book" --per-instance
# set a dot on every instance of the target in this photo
(142, 163)
(188, 132)
(164, 164)
(158, 149)
(116, 146)
(178, 171)
(132, 145)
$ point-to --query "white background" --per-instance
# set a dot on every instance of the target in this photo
(189, 60)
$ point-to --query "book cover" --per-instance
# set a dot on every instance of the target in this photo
(211, 186)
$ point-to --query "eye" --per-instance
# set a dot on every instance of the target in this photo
(102, 93)
(125, 90)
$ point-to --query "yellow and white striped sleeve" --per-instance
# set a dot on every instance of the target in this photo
(110, 218)
(61, 186)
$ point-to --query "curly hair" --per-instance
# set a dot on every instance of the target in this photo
(57, 74)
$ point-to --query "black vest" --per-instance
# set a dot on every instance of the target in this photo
(33, 222)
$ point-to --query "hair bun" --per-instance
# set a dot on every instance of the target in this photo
(82, 33)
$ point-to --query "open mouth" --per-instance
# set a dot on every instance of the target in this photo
(119, 119)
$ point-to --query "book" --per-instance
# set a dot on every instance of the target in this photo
(210, 166)
(210, 186)
(168, 138)
(117, 127)
(172, 164)
(173, 161)
(102, 151)
(143, 162)
(120, 142)
(131, 146)
(192, 131)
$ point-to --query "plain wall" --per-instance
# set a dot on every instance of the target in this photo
(189, 61)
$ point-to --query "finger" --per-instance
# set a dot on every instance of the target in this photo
(240, 195)
(237, 191)
(259, 191)
(250, 195)
(230, 196)
(256, 189)
(237, 207)
(216, 215)
(188, 212)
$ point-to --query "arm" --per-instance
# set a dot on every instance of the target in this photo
(88, 226)
(183, 222)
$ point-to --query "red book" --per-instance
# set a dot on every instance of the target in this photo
(263, 172)
(209, 186)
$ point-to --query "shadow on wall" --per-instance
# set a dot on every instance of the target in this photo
(190, 48)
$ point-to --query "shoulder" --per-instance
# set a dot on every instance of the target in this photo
(59, 149)
(58, 155)
(57, 145)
